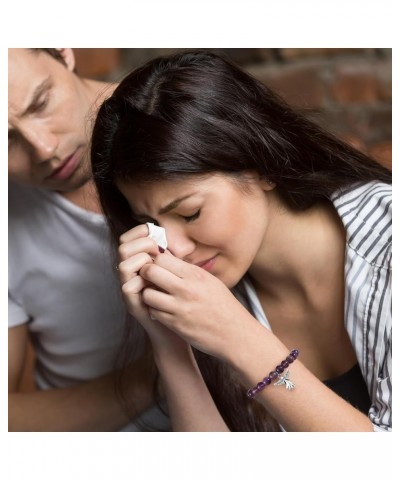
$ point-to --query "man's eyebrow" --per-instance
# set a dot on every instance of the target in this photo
(173, 204)
(39, 90)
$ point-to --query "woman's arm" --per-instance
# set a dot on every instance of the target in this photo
(201, 309)
(310, 406)
(190, 405)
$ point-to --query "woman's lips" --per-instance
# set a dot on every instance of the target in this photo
(208, 264)
(67, 168)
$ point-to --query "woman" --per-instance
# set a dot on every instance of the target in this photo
(267, 217)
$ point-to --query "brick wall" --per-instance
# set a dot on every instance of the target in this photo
(347, 91)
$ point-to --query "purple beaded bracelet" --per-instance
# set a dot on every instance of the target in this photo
(279, 369)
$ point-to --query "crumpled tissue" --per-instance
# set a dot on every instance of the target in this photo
(158, 234)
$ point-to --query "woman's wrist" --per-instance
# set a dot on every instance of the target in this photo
(258, 349)
(172, 355)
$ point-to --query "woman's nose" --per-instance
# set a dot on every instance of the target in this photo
(179, 243)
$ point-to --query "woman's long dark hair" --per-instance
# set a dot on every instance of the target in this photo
(196, 113)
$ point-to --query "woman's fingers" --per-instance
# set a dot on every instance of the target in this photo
(134, 233)
(156, 300)
(134, 286)
(161, 277)
(131, 292)
(174, 265)
(132, 247)
(130, 267)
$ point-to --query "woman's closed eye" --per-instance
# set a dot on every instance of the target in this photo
(192, 218)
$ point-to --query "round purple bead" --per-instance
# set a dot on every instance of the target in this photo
(250, 393)
(267, 380)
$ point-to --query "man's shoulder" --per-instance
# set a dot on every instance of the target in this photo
(19, 193)
(24, 201)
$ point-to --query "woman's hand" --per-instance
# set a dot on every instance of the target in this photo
(136, 250)
(184, 387)
(194, 304)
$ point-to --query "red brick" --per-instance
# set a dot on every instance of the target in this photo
(243, 56)
(269, 54)
(356, 82)
(97, 62)
(300, 85)
(373, 125)
(298, 53)
(384, 73)
(355, 142)
(382, 152)
(380, 124)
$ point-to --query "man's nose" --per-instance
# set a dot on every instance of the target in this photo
(42, 141)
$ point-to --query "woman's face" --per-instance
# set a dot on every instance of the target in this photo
(210, 221)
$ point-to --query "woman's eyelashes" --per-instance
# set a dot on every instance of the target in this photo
(188, 219)
(192, 218)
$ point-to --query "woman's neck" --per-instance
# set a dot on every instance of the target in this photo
(302, 253)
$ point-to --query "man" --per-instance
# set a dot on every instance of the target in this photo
(63, 292)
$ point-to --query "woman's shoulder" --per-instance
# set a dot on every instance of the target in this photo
(366, 212)
(361, 196)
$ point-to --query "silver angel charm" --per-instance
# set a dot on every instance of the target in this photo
(284, 380)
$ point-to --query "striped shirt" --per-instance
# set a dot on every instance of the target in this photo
(366, 213)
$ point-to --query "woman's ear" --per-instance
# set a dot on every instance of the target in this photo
(262, 180)
(68, 57)
(266, 184)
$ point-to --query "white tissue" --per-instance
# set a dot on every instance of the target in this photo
(158, 234)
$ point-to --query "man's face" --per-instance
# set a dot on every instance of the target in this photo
(47, 121)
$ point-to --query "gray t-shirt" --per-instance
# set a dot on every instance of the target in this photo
(63, 284)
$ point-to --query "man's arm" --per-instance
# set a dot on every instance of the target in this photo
(27, 381)
(92, 406)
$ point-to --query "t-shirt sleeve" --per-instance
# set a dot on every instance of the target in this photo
(16, 314)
